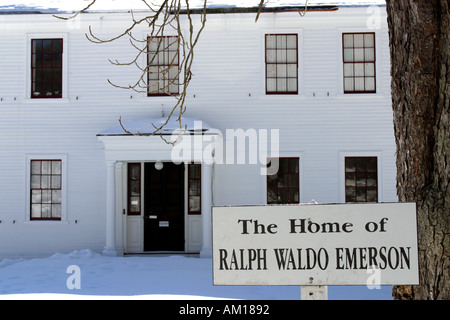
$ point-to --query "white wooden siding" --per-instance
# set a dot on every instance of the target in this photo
(227, 91)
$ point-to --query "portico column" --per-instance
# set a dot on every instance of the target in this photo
(206, 210)
(110, 248)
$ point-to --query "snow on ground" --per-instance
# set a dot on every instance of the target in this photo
(170, 277)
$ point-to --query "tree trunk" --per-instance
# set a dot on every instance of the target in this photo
(419, 46)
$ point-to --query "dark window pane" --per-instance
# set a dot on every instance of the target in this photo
(37, 60)
(293, 180)
(350, 165)
(372, 164)
(372, 195)
(350, 179)
(57, 61)
(48, 75)
(271, 196)
(46, 65)
(57, 46)
(47, 46)
(371, 179)
(135, 172)
(37, 46)
(293, 165)
(47, 60)
(360, 194)
(361, 164)
(135, 188)
(38, 75)
(283, 187)
(350, 194)
(194, 187)
(361, 179)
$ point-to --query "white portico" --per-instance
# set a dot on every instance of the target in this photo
(159, 195)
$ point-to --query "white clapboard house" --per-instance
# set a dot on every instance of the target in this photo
(287, 110)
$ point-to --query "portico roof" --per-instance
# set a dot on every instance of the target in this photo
(148, 126)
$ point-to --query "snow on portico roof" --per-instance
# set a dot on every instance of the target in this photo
(147, 126)
(68, 6)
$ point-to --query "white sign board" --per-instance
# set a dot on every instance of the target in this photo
(339, 244)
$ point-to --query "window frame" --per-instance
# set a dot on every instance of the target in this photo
(129, 195)
(52, 68)
(266, 65)
(344, 63)
(361, 154)
(364, 173)
(29, 85)
(175, 82)
(199, 194)
(298, 180)
(28, 163)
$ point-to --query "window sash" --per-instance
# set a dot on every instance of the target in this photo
(359, 62)
(194, 188)
(163, 66)
(46, 189)
(361, 179)
(134, 189)
(284, 186)
(46, 68)
(281, 57)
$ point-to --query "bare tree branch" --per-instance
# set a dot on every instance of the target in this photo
(171, 78)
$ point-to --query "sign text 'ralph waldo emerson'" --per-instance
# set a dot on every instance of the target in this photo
(315, 244)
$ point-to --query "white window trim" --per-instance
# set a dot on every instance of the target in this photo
(344, 154)
(63, 158)
(287, 154)
(27, 95)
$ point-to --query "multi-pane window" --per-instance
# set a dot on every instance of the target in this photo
(163, 66)
(46, 188)
(361, 182)
(195, 188)
(134, 189)
(281, 63)
(283, 186)
(359, 62)
(46, 68)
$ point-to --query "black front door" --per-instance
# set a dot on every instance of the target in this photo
(164, 207)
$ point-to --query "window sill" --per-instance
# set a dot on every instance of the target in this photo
(46, 222)
(46, 100)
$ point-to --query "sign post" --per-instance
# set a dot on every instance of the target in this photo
(314, 293)
(315, 245)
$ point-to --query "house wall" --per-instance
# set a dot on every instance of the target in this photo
(320, 125)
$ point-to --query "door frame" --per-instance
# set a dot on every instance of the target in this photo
(132, 228)
(153, 230)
